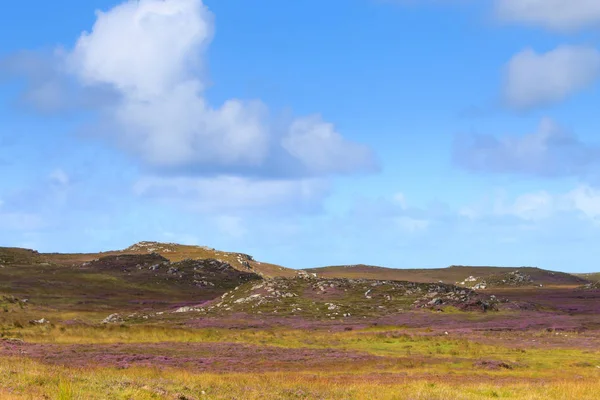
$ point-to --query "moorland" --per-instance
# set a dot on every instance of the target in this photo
(168, 321)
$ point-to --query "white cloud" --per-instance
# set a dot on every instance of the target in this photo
(529, 206)
(228, 193)
(586, 200)
(552, 14)
(534, 79)
(180, 129)
(551, 150)
(322, 149)
(144, 48)
(538, 206)
(152, 53)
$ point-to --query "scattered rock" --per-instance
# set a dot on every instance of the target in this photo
(591, 286)
(41, 321)
(313, 297)
(112, 318)
(185, 309)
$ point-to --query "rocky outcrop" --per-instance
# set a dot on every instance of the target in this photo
(342, 298)
(510, 279)
(591, 286)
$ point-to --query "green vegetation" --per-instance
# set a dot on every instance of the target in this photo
(149, 383)
(413, 366)
(185, 325)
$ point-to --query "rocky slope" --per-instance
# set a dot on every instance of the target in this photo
(342, 298)
(591, 286)
(171, 251)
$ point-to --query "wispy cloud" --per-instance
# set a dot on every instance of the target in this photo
(226, 194)
(563, 15)
(549, 151)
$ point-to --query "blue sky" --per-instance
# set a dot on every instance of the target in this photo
(399, 133)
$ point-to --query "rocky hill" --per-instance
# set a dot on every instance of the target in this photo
(171, 251)
(117, 280)
(149, 278)
(338, 298)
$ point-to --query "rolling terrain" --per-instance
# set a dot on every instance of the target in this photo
(590, 277)
(455, 275)
(172, 251)
(166, 321)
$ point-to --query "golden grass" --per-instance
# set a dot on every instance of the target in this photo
(385, 341)
(542, 373)
(25, 379)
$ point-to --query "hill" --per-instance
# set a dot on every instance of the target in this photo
(594, 276)
(151, 278)
(479, 277)
(145, 275)
(177, 252)
(336, 298)
(120, 282)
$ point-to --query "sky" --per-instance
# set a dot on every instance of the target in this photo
(400, 133)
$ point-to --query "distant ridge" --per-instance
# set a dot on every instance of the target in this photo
(462, 275)
(470, 276)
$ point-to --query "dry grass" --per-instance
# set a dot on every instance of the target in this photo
(24, 379)
(68, 361)
(542, 373)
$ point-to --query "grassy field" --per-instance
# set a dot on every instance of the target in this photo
(202, 329)
(41, 381)
(379, 362)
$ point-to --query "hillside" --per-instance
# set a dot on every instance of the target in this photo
(120, 282)
(147, 275)
(594, 277)
(461, 275)
(308, 296)
(171, 251)
(151, 278)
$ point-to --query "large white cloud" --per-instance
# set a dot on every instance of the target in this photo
(144, 48)
(553, 14)
(152, 52)
(534, 79)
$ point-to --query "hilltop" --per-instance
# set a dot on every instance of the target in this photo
(146, 275)
(468, 276)
(172, 251)
(478, 277)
